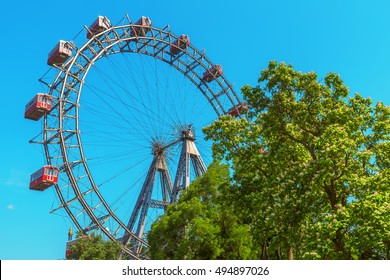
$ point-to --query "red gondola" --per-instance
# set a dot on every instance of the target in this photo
(144, 27)
(99, 25)
(212, 73)
(59, 54)
(38, 107)
(44, 178)
(180, 44)
(236, 111)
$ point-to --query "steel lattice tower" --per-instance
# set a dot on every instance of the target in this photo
(189, 157)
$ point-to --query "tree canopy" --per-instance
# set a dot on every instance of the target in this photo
(201, 225)
(93, 247)
(311, 167)
(310, 178)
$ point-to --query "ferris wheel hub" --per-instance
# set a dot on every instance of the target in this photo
(158, 148)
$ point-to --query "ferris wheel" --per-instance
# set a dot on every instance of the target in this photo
(122, 120)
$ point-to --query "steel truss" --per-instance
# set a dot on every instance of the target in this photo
(170, 192)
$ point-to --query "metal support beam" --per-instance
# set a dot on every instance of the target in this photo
(145, 201)
(189, 154)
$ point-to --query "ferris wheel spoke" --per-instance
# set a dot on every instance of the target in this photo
(133, 119)
(150, 115)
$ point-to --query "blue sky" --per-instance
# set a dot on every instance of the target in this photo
(348, 37)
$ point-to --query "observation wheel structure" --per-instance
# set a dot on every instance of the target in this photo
(127, 146)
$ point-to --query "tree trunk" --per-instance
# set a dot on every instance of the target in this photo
(279, 254)
(264, 251)
(339, 243)
(290, 255)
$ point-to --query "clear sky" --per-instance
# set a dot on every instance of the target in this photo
(349, 37)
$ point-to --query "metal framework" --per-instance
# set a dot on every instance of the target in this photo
(189, 156)
(63, 145)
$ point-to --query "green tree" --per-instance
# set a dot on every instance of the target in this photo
(311, 167)
(202, 225)
(93, 247)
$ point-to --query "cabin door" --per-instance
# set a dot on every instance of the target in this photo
(50, 175)
(44, 102)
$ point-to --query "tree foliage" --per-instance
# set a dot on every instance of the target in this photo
(202, 225)
(311, 168)
(93, 247)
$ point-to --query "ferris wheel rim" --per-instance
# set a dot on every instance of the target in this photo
(62, 100)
